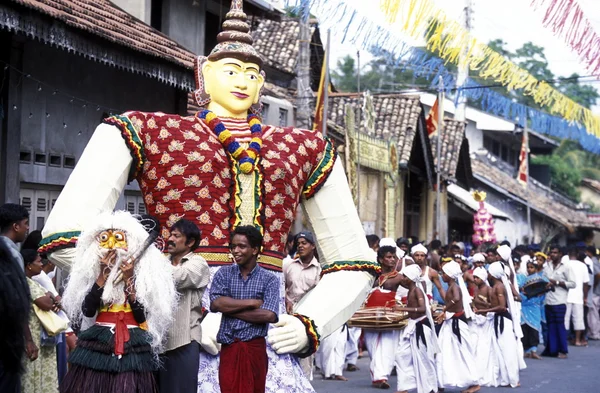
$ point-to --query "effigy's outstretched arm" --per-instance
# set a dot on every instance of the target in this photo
(348, 269)
(94, 186)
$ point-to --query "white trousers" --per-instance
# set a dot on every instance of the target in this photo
(593, 318)
(382, 350)
(575, 313)
(332, 353)
(352, 345)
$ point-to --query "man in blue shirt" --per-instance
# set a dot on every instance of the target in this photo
(248, 297)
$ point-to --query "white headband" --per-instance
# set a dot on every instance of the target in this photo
(481, 273)
(413, 272)
(418, 248)
(479, 257)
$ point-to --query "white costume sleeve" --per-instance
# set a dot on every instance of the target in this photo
(93, 187)
(340, 235)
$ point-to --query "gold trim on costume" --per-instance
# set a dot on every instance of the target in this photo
(223, 257)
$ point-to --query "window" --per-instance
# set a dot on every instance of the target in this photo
(265, 112)
(25, 157)
(131, 207)
(69, 162)
(41, 204)
(40, 158)
(26, 202)
(55, 160)
(141, 208)
(283, 117)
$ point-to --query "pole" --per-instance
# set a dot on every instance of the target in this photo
(326, 85)
(526, 137)
(440, 127)
(463, 67)
(304, 91)
(358, 134)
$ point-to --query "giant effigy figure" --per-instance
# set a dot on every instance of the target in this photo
(222, 168)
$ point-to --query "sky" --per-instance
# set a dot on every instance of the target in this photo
(515, 21)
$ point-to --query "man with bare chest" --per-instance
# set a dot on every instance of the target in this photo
(502, 353)
(456, 361)
(382, 344)
(415, 355)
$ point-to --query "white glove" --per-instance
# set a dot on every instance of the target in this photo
(210, 327)
(288, 335)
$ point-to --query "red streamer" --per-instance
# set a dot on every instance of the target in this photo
(567, 20)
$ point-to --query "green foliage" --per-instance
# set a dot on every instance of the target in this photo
(565, 178)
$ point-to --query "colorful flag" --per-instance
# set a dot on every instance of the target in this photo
(318, 123)
(523, 161)
(432, 119)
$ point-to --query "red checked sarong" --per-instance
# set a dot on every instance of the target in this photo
(243, 366)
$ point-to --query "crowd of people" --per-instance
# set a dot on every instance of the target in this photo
(470, 317)
(474, 316)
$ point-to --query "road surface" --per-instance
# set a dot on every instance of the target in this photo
(577, 374)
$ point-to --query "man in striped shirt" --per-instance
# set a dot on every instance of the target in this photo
(248, 297)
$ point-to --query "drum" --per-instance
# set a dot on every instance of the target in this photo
(536, 287)
(379, 318)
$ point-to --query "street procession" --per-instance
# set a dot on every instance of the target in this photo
(304, 196)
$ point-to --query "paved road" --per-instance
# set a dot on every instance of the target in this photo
(578, 374)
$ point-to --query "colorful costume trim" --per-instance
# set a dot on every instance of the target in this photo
(311, 332)
(245, 157)
(58, 241)
(258, 196)
(318, 177)
(133, 141)
(356, 266)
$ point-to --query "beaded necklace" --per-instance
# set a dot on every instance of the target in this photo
(245, 157)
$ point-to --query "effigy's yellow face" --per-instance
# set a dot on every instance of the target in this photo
(112, 239)
(233, 86)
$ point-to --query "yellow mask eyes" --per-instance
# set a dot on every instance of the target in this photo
(112, 239)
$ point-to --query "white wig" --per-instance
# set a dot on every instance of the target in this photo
(154, 285)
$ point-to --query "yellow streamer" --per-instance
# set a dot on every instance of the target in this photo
(448, 39)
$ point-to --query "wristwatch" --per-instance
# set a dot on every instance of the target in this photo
(557, 283)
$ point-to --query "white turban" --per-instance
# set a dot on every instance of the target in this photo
(479, 257)
(497, 271)
(388, 241)
(505, 252)
(453, 270)
(418, 248)
(413, 272)
(481, 273)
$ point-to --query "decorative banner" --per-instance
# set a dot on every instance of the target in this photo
(447, 38)
(567, 21)
(368, 112)
(350, 152)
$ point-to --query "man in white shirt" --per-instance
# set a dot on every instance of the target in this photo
(577, 296)
(561, 279)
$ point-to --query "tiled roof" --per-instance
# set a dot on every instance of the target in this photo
(396, 117)
(593, 184)
(277, 42)
(104, 19)
(538, 199)
(453, 135)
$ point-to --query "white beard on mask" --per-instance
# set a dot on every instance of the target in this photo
(154, 285)
(114, 294)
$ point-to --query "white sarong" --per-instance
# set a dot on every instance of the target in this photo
(352, 345)
(456, 362)
(505, 352)
(332, 353)
(482, 330)
(382, 349)
(415, 359)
